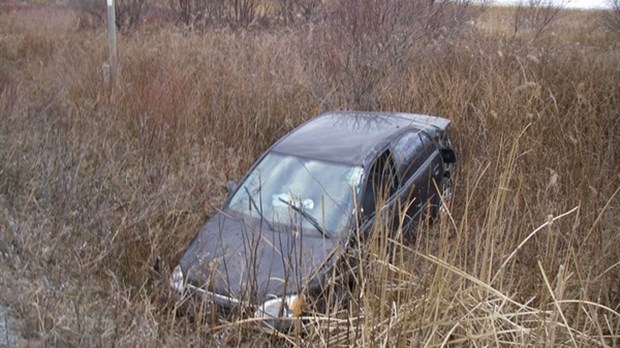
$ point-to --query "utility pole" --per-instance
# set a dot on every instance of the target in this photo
(110, 68)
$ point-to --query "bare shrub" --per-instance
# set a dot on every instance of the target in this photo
(290, 10)
(91, 13)
(611, 18)
(286, 10)
(536, 16)
(366, 42)
(308, 8)
(244, 11)
(199, 14)
(129, 13)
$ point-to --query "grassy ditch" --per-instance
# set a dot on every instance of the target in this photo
(98, 181)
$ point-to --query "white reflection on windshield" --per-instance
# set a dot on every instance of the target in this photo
(322, 190)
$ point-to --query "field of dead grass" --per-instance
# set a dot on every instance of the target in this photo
(97, 182)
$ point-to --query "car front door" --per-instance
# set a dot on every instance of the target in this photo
(380, 189)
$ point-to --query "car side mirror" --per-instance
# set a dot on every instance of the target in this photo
(231, 186)
(448, 155)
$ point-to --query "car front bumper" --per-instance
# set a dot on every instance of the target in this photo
(276, 312)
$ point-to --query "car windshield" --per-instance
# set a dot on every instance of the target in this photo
(290, 190)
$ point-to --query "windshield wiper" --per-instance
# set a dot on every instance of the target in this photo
(308, 217)
(260, 211)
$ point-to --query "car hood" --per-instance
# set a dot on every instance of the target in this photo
(244, 259)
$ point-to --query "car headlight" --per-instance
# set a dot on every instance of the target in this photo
(177, 281)
(282, 307)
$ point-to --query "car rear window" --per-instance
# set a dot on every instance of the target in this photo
(410, 152)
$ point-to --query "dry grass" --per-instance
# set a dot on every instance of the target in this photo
(95, 183)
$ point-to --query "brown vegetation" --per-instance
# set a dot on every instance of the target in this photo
(96, 182)
(611, 19)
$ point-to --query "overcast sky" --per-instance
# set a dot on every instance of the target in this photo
(588, 3)
(569, 3)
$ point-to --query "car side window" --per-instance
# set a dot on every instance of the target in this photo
(410, 151)
(381, 184)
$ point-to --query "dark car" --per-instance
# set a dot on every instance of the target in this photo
(293, 216)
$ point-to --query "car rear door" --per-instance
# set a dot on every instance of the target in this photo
(418, 164)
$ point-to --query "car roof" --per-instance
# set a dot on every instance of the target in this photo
(350, 137)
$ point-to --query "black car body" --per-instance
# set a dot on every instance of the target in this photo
(294, 214)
